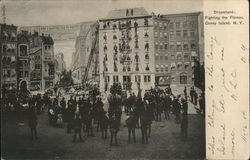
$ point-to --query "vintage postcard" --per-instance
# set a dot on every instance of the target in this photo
(124, 79)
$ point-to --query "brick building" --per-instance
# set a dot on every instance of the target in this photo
(23, 65)
(42, 62)
(126, 52)
(179, 40)
(8, 56)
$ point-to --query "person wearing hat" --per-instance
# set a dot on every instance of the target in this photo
(176, 109)
(77, 125)
(184, 105)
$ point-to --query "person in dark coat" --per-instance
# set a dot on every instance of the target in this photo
(104, 122)
(184, 127)
(192, 94)
(176, 109)
(63, 106)
(184, 106)
(77, 125)
(131, 124)
(144, 128)
(195, 97)
(185, 92)
(201, 104)
(32, 120)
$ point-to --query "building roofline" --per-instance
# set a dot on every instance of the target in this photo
(129, 17)
(182, 14)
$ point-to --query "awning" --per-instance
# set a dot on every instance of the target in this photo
(166, 65)
(185, 42)
(186, 63)
(179, 53)
(179, 63)
(178, 43)
(157, 66)
(162, 66)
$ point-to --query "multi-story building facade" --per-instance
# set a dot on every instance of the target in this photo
(126, 52)
(23, 65)
(83, 47)
(42, 62)
(8, 47)
(178, 41)
(60, 66)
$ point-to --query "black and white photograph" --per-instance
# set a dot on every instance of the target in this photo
(110, 79)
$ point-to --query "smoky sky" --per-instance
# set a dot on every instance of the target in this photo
(55, 12)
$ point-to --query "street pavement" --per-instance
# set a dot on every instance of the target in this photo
(54, 143)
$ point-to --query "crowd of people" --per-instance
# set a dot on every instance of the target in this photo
(83, 113)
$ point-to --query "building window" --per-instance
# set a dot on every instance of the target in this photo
(166, 57)
(171, 47)
(136, 58)
(173, 66)
(157, 57)
(184, 24)
(171, 34)
(146, 34)
(23, 50)
(178, 33)
(157, 68)
(165, 46)
(106, 79)
(147, 68)
(45, 47)
(171, 25)
(38, 66)
(166, 68)
(156, 46)
(115, 67)
(162, 68)
(137, 67)
(185, 47)
(114, 37)
(147, 46)
(21, 74)
(172, 56)
(26, 74)
(179, 65)
(179, 56)
(185, 33)
(193, 46)
(165, 35)
(178, 24)
(137, 78)
(115, 79)
(147, 57)
(186, 66)
(192, 33)
(186, 56)
(147, 79)
(160, 34)
(178, 47)
(128, 69)
(183, 78)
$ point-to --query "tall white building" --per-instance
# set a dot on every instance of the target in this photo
(126, 51)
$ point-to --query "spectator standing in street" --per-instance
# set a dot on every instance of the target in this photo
(32, 120)
(202, 105)
(185, 92)
(192, 94)
(176, 109)
(77, 125)
(184, 106)
(195, 97)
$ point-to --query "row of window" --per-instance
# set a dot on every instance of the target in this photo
(179, 33)
(167, 68)
(127, 79)
(172, 57)
(11, 36)
(182, 24)
(122, 24)
(7, 73)
(178, 47)
(23, 74)
(126, 68)
(47, 47)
